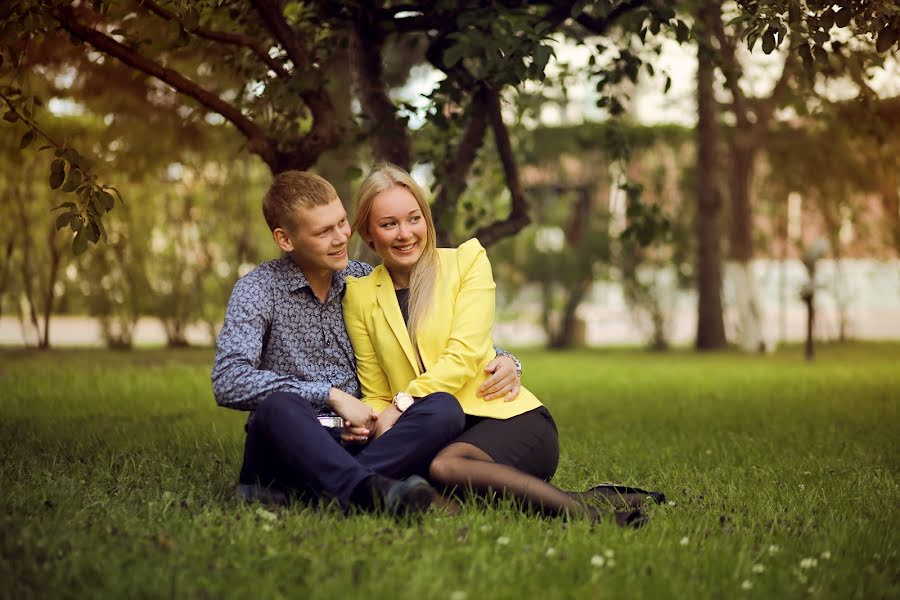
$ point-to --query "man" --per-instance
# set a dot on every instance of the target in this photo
(283, 353)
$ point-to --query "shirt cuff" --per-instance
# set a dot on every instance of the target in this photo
(501, 352)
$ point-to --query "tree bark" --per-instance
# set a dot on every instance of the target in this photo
(743, 157)
(710, 326)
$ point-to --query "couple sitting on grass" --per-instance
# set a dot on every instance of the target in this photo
(306, 335)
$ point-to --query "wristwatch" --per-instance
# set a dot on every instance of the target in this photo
(403, 401)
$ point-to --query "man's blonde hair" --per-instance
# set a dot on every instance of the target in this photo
(424, 274)
(291, 190)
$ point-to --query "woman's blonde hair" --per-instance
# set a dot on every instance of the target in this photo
(381, 178)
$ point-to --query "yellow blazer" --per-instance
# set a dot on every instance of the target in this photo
(454, 338)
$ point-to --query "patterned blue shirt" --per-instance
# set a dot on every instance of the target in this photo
(279, 337)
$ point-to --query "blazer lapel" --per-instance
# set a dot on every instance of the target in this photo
(390, 308)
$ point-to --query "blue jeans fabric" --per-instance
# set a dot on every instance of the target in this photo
(287, 448)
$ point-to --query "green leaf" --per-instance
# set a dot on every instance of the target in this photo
(26, 139)
(11, 116)
(119, 196)
(541, 57)
(77, 223)
(71, 155)
(56, 179)
(887, 37)
(93, 232)
(73, 180)
(64, 219)
(69, 205)
(842, 18)
(107, 200)
(768, 44)
(668, 84)
(79, 244)
(453, 55)
(58, 166)
(682, 31)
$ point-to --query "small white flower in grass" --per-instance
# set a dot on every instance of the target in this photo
(808, 563)
(597, 560)
(485, 527)
(758, 568)
(671, 503)
(746, 584)
(550, 552)
(802, 487)
(608, 553)
(458, 595)
(268, 516)
(685, 541)
(826, 555)
(266, 527)
(773, 549)
(503, 540)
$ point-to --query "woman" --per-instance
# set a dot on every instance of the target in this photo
(444, 300)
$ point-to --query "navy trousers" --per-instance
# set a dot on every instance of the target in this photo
(286, 447)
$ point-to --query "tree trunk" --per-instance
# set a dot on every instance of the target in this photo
(710, 327)
(565, 335)
(740, 271)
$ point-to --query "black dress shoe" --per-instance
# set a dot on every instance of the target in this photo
(410, 496)
(268, 496)
(633, 519)
(622, 496)
(404, 497)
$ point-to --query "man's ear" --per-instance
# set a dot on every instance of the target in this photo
(281, 238)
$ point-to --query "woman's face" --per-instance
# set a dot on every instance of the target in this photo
(397, 229)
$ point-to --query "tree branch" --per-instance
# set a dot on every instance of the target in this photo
(600, 26)
(283, 32)
(325, 130)
(731, 69)
(518, 214)
(453, 178)
(223, 37)
(258, 141)
(390, 135)
(767, 106)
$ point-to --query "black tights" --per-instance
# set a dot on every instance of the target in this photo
(461, 466)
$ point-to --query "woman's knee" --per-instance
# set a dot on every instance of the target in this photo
(444, 469)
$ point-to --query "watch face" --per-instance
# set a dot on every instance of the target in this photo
(403, 401)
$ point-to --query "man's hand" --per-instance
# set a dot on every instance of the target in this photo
(386, 419)
(359, 418)
(504, 381)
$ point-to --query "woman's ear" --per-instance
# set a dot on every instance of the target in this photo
(281, 238)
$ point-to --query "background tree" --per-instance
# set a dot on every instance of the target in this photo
(265, 67)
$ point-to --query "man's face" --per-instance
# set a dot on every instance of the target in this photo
(319, 240)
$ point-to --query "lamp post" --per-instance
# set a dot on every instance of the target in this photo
(811, 256)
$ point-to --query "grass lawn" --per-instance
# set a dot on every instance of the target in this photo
(117, 474)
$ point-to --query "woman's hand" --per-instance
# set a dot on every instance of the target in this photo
(386, 419)
(503, 382)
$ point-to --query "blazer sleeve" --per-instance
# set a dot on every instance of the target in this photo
(372, 379)
(471, 328)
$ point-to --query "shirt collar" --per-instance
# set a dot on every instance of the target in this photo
(292, 278)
